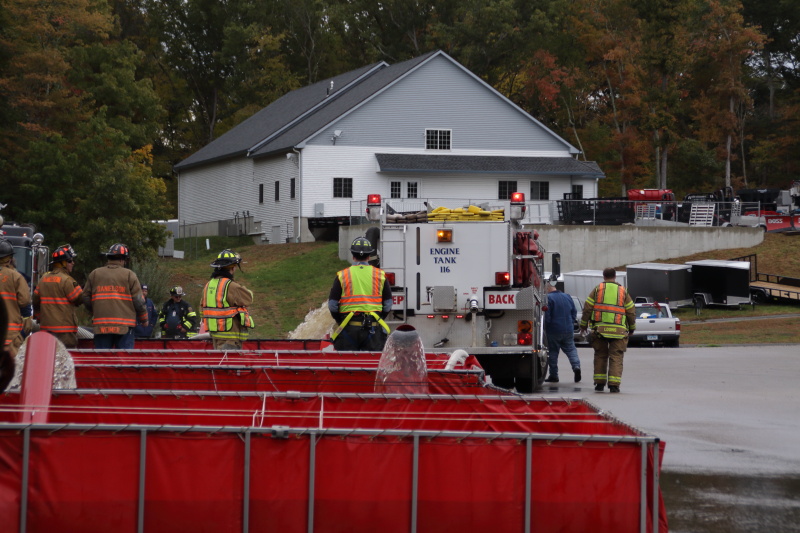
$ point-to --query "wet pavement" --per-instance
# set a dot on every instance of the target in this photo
(730, 417)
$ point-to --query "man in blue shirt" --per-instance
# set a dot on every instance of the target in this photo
(559, 325)
(145, 332)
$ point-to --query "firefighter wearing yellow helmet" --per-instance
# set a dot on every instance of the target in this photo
(224, 304)
(359, 301)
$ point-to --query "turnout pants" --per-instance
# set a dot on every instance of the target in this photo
(361, 338)
(608, 354)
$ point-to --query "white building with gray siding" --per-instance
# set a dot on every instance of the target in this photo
(426, 128)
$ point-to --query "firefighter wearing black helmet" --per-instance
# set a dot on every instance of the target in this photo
(57, 296)
(16, 298)
(224, 304)
(177, 318)
(113, 295)
(359, 301)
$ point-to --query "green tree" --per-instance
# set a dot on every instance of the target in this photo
(82, 120)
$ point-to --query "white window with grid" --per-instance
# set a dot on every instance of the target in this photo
(398, 188)
(505, 188)
(342, 187)
(540, 190)
(437, 139)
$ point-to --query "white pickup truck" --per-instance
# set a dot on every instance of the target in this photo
(655, 325)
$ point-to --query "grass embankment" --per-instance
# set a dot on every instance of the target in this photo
(289, 280)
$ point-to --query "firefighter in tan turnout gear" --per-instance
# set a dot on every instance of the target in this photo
(610, 313)
(16, 298)
(113, 294)
(224, 304)
(57, 296)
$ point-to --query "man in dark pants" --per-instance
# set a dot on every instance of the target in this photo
(113, 295)
(177, 318)
(559, 324)
(359, 301)
(610, 313)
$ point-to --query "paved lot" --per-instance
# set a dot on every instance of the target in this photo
(720, 410)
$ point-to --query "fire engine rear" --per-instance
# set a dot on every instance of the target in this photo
(468, 278)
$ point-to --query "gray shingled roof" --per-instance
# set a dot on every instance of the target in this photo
(269, 121)
(297, 115)
(487, 164)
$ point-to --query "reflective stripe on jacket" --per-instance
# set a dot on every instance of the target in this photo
(114, 295)
(55, 300)
(609, 306)
(219, 314)
(362, 289)
(16, 295)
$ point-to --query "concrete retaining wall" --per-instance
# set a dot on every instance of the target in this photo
(596, 247)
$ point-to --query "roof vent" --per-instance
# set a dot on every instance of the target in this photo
(329, 90)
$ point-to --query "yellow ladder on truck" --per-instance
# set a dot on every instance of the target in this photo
(702, 214)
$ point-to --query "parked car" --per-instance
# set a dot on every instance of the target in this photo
(655, 325)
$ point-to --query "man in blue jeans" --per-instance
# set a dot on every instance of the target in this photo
(559, 324)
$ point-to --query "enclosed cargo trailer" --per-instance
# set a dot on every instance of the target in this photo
(661, 282)
(720, 282)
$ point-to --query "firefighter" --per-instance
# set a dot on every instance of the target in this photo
(7, 364)
(57, 296)
(224, 304)
(177, 318)
(16, 299)
(113, 295)
(145, 332)
(610, 313)
(359, 301)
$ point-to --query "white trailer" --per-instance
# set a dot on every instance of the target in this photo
(581, 282)
(468, 277)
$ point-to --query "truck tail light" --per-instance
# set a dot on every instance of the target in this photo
(390, 277)
(524, 339)
(677, 325)
(502, 278)
(374, 207)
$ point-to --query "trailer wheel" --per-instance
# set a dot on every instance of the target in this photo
(760, 297)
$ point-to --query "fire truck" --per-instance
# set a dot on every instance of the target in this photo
(468, 277)
(30, 255)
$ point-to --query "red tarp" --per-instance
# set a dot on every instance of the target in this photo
(195, 481)
(205, 344)
(434, 361)
(347, 458)
(432, 413)
(269, 379)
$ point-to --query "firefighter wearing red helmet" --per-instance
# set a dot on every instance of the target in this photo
(224, 304)
(16, 298)
(113, 295)
(57, 296)
(359, 300)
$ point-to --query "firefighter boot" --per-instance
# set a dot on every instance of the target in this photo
(599, 387)
(613, 388)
